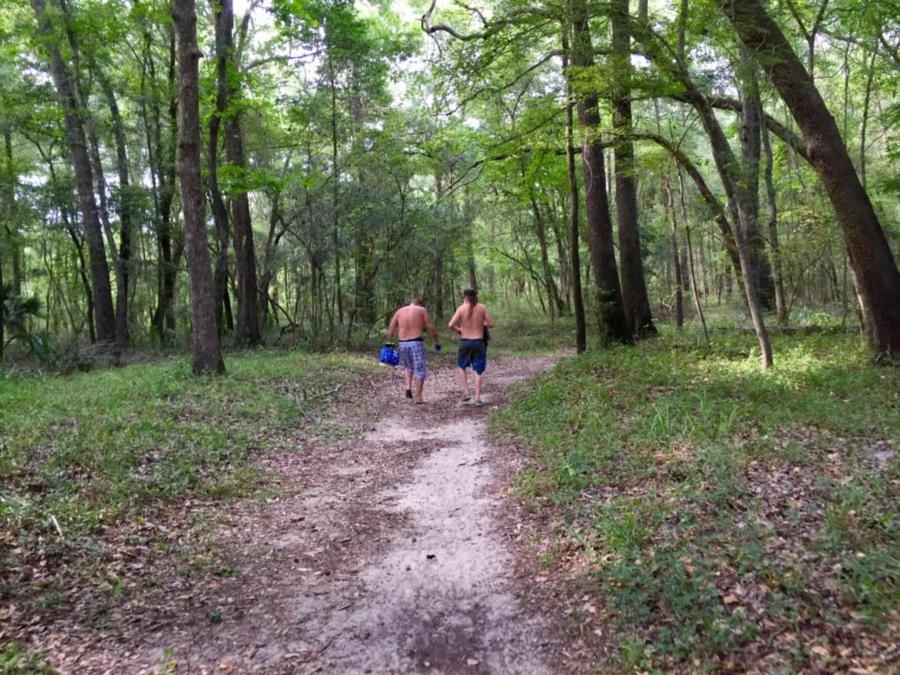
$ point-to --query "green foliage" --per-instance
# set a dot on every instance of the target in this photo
(16, 660)
(716, 503)
(87, 448)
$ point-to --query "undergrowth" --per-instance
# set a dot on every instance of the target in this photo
(82, 450)
(727, 516)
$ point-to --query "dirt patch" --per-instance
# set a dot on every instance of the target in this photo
(378, 553)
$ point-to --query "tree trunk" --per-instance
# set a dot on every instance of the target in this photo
(78, 151)
(555, 302)
(123, 271)
(574, 253)
(676, 260)
(12, 227)
(164, 315)
(206, 351)
(610, 310)
(867, 99)
(247, 325)
(746, 191)
(219, 211)
(752, 129)
(335, 191)
(634, 286)
(777, 276)
(694, 292)
(870, 254)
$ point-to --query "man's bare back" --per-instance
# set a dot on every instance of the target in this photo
(471, 325)
(409, 322)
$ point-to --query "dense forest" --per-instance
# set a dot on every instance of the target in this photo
(323, 161)
(684, 454)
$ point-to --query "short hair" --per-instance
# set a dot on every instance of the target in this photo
(416, 301)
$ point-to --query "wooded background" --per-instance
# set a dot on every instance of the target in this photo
(334, 158)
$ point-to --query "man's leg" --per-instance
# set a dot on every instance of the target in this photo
(407, 378)
(420, 370)
(420, 384)
(464, 383)
(478, 365)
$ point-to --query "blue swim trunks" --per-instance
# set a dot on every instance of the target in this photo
(472, 353)
(412, 358)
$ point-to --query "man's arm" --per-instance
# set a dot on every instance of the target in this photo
(488, 319)
(432, 331)
(452, 325)
(392, 326)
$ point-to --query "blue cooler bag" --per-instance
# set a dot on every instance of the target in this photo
(389, 354)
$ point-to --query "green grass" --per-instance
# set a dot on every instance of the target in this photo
(16, 660)
(521, 335)
(86, 449)
(719, 506)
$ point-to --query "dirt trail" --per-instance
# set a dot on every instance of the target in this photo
(385, 554)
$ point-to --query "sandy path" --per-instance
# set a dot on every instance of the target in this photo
(440, 598)
(384, 554)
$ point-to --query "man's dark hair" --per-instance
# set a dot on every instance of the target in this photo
(471, 296)
(416, 301)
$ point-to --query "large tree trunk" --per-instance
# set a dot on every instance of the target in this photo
(335, 190)
(247, 326)
(777, 275)
(206, 351)
(164, 172)
(634, 286)
(219, 211)
(870, 255)
(123, 271)
(752, 130)
(11, 226)
(746, 190)
(610, 311)
(72, 107)
(574, 253)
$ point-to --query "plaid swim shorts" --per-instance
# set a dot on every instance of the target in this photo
(412, 357)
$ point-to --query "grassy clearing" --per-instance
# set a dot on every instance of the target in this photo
(520, 335)
(80, 451)
(724, 516)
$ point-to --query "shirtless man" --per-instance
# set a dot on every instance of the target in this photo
(409, 323)
(470, 321)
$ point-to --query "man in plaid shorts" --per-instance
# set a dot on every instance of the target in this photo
(410, 323)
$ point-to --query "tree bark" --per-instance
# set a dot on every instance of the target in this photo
(777, 276)
(574, 253)
(247, 329)
(610, 311)
(125, 208)
(205, 347)
(673, 245)
(870, 253)
(634, 286)
(219, 210)
(746, 191)
(66, 88)
(694, 292)
(164, 173)
(747, 188)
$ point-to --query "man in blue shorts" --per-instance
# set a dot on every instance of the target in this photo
(410, 323)
(471, 321)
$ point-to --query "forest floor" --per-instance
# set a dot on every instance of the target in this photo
(666, 507)
(380, 543)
